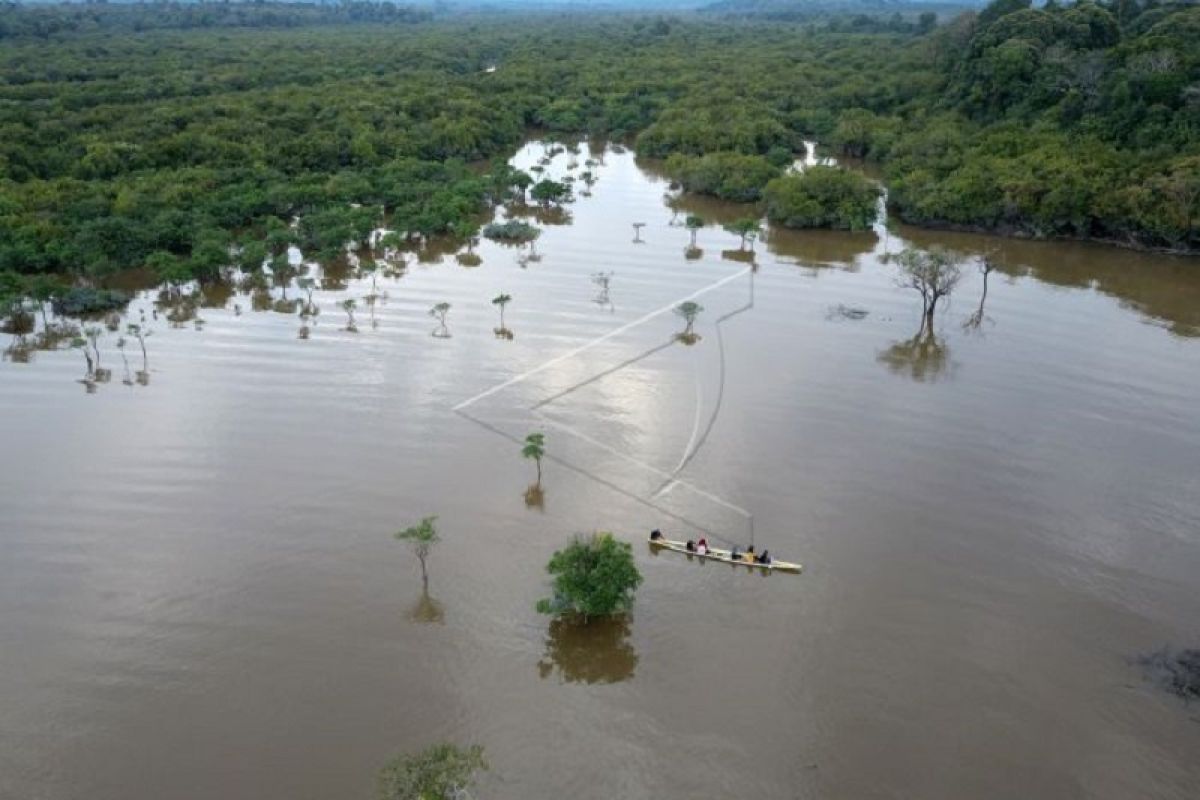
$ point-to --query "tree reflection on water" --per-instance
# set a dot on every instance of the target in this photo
(535, 496)
(426, 609)
(20, 351)
(596, 652)
(740, 256)
(924, 357)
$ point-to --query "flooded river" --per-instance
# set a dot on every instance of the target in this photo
(200, 595)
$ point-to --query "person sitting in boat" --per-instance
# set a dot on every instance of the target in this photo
(691, 546)
(702, 546)
(750, 557)
(736, 553)
(656, 535)
(765, 558)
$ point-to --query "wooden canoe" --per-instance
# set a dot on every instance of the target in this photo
(724, 556)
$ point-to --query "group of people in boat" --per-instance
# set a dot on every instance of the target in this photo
(701, 548)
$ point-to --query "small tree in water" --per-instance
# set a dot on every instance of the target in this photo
(93, 334)
(688, 310)
(348, 305)
(547, 192)
(422, 537)
(932, 273)
(500, 301)
(468, 232)
(602, 279)
(127, 380)
(137, 332)
(520, 181)
(593, 577)
(81, 343)
(535, 448)
(975, 321)
(309, 309)
(747, 228)
(694, 224)
(441, 772)
(439, 313)
(42, 290)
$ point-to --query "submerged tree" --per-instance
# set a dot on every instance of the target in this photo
(14, 317)
(42, 289)
(602, 280)
(637, 232)
(138, 332)
(283, 272)
(533, 254)
(932, 273)
(81, 344)
(500, 301)
(439, 313)
(975, 321)
(251, 256)
(89, 344)
(20, 350)
(367, 265)
(593, 577)
(93, 333)
(748, 228)
(127, 379)
(468, 232)
(422, 537)
(520, 182)
(307, 285)
(535, 448)
(694, 223)
(514, 231)
(348, 305)
(688, 310)
(441, 772)
(822, 197)
(547, 192)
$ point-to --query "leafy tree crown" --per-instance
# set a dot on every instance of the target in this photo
(437, 773)
(594, 576)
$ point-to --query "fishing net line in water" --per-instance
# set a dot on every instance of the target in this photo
(632, 411)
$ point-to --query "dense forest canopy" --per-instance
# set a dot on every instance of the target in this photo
(50, 20)
(174, 135)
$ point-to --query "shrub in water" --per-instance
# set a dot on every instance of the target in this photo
(593, 577)
(87, 300)
(511, 231)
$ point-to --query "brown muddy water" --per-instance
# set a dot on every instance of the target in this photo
(200, 595)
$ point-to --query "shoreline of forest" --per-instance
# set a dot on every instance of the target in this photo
(1015, 232)
(1088, 133)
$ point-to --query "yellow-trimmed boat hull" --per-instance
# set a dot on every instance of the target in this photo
(724, 556)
